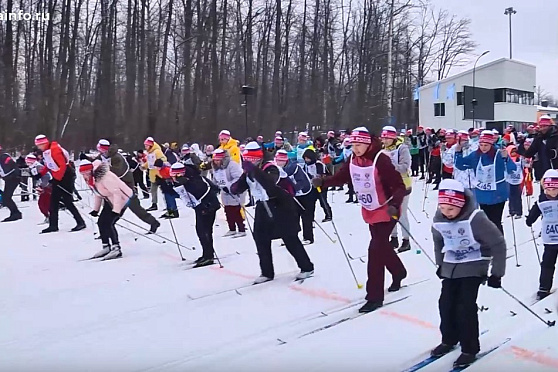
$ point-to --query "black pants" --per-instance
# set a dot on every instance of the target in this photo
(138, 181)
(322, 197)
(308, 202)
(435, 170)
(107, 225)
(494, 213)
(24, 189)
(204, 228)
(10, 184)
(446, 175)
(293, 245)
(415, 160)
(459, 321)
(139, 211)
(62, 190)
(548, 265)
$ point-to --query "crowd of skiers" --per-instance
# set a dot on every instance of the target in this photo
(475, 172)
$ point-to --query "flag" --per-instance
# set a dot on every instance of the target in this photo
(450, 92)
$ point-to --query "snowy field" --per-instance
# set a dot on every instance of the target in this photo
(148, 312)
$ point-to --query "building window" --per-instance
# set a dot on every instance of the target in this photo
(459, 98)
(439, 109)
(514, 96)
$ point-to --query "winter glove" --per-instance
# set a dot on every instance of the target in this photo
(317, 182)
(393, 212)
(226, 190)
(94, 213)
(439, 272)
(494, 281)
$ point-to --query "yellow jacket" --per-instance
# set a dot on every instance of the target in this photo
(401, 158)
(232, 148)
(153, 154)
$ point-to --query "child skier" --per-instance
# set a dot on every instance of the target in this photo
(275, 209)
(200, 194)
(116, 195)
(464, 243)
(380, 191)
(225, 173)
(315, 169)
(515, 179)
(547, 206)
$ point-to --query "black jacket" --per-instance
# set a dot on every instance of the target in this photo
(546, 147)
(9, 167)
(535, 211)
(281, 205)
(201, 188)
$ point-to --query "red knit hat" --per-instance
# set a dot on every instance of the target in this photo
(389, 132)
(41, 139)
(450, 133)
(30, 159)
(303, 136)
(149, 141)
(361, 135)
(218, 154)
(452, 193)
(177, 169)
(550, 179)
(486, 136)
(103, 145)
(279, 140)
(545, 121)
(281, 155)
(85, 166)
(253, 152)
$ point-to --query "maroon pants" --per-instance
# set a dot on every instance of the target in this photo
(234, 218)
(44, 201)
(381, 255)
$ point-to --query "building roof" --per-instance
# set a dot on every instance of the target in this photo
(470, 71)
(549, 109)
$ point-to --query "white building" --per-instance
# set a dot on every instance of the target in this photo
(503, 90)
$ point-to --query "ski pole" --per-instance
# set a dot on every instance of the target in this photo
(139, 234)
(412, 214)
(416, 242)
(359, 285)
(316, 222)
(175, 238)
(535, 243)
(515, 244)
(158, 235)
(547, 322)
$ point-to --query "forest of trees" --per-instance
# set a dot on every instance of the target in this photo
(174, 69)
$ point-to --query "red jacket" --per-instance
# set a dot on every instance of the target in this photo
(389, 183)
(56, 160)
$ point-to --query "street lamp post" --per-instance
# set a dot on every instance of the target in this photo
(474, 100)
(509, 12)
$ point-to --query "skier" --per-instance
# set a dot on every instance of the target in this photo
(10, 173)
(226, 142)
(400, 157)
(448, 154)
(380, 191)
(188, 157)
(465, 242)
(515, 180)
(153, 153)
(225, 173)
(56, 159)
(200, 194)
(116, 195)
(24, 177)
(347, 152)
(490, 166)
(316, 169)
(547, 206)
(165, 182)
(275, 209)
(137, 173)
(108, 153)
(43, 187)
(302, 146)
(304, 193)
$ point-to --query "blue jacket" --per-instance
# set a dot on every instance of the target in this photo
(300, 179)
(502, 192)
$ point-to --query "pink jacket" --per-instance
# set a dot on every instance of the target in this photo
(109, 187)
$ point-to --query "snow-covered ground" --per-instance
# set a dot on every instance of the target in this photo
(147, 312)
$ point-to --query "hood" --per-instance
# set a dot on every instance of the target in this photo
(310, 154)
(509, 149)
(466, 211)
(113, 150)
(154, 147)
(229, 145)
(99, 169)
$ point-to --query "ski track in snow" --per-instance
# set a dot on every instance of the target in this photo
(148, 312)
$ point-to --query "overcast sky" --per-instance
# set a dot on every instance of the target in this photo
(534, 32)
